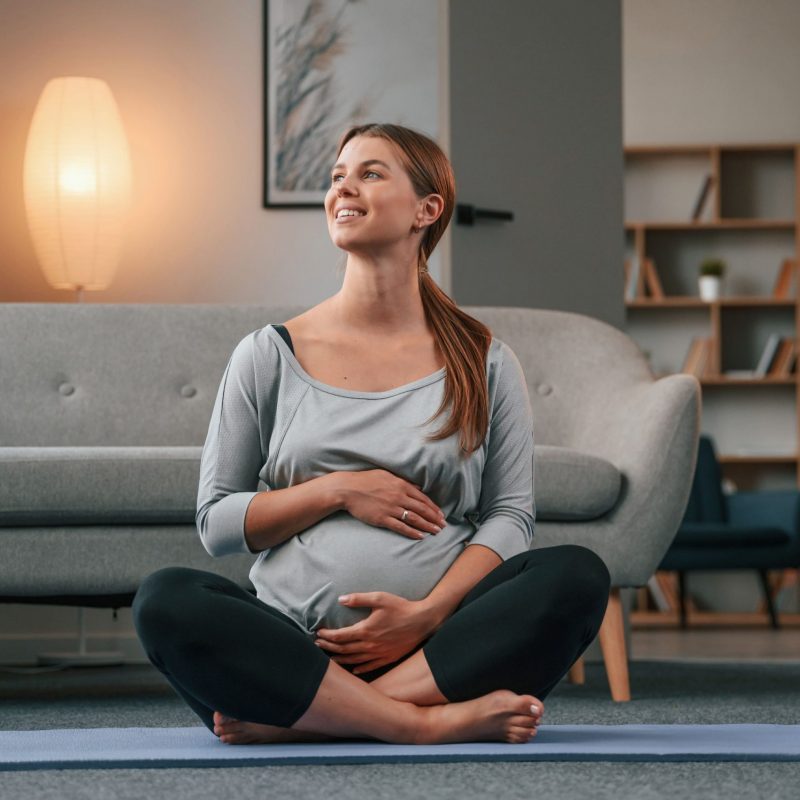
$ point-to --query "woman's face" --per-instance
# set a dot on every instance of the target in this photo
(370, 184)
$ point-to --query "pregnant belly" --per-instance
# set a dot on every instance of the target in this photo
(340, 555)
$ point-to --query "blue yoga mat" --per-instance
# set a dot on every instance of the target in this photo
(108, 748)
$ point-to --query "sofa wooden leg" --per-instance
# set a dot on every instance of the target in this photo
(577, 673)
(612, 643)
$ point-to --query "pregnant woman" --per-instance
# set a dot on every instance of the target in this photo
(397, 597)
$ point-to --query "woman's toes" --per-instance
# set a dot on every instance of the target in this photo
(518, 735)
(535, 706)
(524, 722)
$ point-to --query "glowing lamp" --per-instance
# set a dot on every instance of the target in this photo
(77, 183)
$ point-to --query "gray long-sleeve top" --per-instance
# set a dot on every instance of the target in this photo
(275, 426)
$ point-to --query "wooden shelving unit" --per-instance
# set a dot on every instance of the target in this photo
(751, 219)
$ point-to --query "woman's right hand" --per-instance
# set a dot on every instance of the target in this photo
(379, 497)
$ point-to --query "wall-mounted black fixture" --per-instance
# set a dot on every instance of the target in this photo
(467, 214)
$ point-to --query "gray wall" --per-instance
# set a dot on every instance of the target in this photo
(536, 127)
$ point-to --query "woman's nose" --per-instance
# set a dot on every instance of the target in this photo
(344, 187)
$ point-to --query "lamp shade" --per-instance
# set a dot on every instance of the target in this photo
(77, 183)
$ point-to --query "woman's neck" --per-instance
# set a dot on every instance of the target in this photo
(380, 296)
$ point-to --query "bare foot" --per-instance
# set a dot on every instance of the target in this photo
(498, 716)
(234, 731)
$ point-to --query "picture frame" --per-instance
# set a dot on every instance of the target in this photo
(331, 64)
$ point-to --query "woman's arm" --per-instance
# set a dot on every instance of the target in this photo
(273, 517)
(232, 516)
(506, 507)
(467, 570)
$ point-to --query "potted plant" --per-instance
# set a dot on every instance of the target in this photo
(711, 272)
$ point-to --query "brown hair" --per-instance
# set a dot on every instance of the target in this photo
(463, 340)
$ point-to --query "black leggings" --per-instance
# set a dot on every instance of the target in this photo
(521, 627)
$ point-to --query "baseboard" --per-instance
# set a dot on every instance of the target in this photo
(641, 620)
(21, 649)
(24, 650)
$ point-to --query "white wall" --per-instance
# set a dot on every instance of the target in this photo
(187, 76)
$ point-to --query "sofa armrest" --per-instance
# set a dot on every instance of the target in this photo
(649, 431)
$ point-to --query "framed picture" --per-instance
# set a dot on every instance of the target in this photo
(331, 64)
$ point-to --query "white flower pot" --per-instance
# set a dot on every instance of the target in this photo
(710, 287)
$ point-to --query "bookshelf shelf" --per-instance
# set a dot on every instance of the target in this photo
(720, 224)
(711, 380)
(757, 459)
(707, 380)
(685, 203)
(696, 302)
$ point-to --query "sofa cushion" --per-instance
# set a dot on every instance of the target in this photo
(158, 485)
(572, 485)
(98, 485)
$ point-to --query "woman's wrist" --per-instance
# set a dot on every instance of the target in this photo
(433, 614)
(337, 488)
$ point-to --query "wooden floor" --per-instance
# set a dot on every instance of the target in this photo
(743, 643)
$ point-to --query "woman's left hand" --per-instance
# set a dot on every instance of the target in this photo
(393, 629)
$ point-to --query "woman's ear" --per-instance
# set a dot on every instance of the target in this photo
(431, 209)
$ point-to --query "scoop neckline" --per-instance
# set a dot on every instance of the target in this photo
(298, 369)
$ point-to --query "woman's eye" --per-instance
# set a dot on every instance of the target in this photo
(334, 177)
(373, 173)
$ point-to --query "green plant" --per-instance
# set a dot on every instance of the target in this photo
(713, 266)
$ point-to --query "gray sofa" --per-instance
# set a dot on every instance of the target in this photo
(105, 409)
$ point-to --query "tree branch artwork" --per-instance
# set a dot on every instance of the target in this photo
(309, 112)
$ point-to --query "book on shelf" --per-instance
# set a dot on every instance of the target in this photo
(702, 197)
(785, 283)
(633, 279)
(641, 280)
(767, 355)
(652, 281)
(698, 359)
(785, 358)
(777, 360)
(739, 374)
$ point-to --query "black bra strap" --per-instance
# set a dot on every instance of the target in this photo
(284, 335)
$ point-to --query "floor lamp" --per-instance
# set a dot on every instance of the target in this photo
(77, 188)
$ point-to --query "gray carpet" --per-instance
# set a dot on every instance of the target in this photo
(664, 692)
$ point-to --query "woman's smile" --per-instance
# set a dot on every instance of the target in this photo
(345, 214)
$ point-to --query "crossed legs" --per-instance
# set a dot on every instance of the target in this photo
(506, 646)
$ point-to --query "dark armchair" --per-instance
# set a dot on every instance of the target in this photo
(745, 530)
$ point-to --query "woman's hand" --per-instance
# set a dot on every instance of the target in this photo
(393, 629)
(378, 497)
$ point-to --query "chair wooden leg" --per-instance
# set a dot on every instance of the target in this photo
(612, 643)
(773, 614)
(682, 596)
(577, 673)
